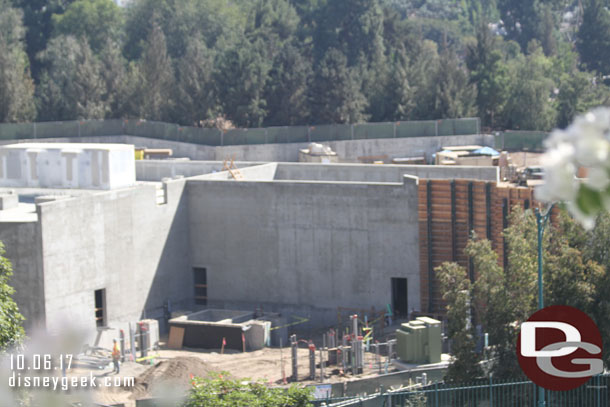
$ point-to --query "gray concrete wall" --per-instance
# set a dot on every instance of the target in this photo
(23, 245)
(121, 241)
(380, 173)
(348, 150)
(262, 172)
(304, 247)
(155, 170)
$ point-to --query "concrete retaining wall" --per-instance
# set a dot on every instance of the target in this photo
(262, 172)
(23, 245)
(347, 150)
(121, 241)
(304, 246)
(380, 173)
(155, 170)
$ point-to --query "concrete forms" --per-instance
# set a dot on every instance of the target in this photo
(67, 165)
(209, 328)
(448, 211)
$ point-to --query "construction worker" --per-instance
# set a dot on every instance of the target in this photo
(116, 356)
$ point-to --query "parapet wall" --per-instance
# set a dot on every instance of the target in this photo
(347, 150)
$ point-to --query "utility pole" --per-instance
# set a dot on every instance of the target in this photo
(541, 220)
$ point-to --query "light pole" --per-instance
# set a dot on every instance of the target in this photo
(541, 220)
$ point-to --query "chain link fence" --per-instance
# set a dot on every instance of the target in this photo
(216, 137)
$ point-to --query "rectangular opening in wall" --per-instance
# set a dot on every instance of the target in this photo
(100, 307)
(201, 285)
(400, 302)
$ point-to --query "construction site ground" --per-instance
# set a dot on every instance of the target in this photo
(173, 369)
(170, 371)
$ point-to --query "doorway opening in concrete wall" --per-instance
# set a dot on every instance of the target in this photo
(201, 285)
(400, 302)
(100, 307)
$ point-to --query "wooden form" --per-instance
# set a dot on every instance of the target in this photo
(449, 211)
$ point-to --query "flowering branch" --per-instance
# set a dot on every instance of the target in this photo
(585, 143)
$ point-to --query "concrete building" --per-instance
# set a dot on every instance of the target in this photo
(295, 238)
(67, 165)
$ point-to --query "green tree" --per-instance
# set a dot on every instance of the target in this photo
(286, 88)
(274, 22)
(16, 85)
(11, 320)
(219, 22)
(37, 18)
(595, 246)
(526, 20)
(156, 78)
(489, 74)
(241, 76)
(593, 40)
(196, 98)
(96, 20)
(336, 95)
(548, 40)
(457, 289)
(354, 27)
(398, 97)
(72, 87)
(114, 75)
(219, 391)
(572, 89)
(454, 94)
(529, 105)
(425, 62)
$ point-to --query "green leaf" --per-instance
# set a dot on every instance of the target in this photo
(589, 201)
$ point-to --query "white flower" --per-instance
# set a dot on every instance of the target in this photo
(560, 171)
(597, 178)
(587, 222)
(585, 143)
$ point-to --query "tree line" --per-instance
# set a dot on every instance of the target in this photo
(576, 266)
(517, 64)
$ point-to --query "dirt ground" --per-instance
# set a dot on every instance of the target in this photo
(169, 374)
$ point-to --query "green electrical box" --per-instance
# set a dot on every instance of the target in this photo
(419, 341)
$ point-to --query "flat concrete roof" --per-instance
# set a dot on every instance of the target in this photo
(23, 212)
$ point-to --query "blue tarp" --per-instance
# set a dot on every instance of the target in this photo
(486, 151)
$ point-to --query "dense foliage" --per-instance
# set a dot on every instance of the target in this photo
(576, 273)
(11, 320)
(220, 391)
(518, 64)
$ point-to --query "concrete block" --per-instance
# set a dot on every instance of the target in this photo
(8, 201)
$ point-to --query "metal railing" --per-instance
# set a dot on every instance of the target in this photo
(488, 393)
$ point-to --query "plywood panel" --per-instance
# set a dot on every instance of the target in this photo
(176, 337)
